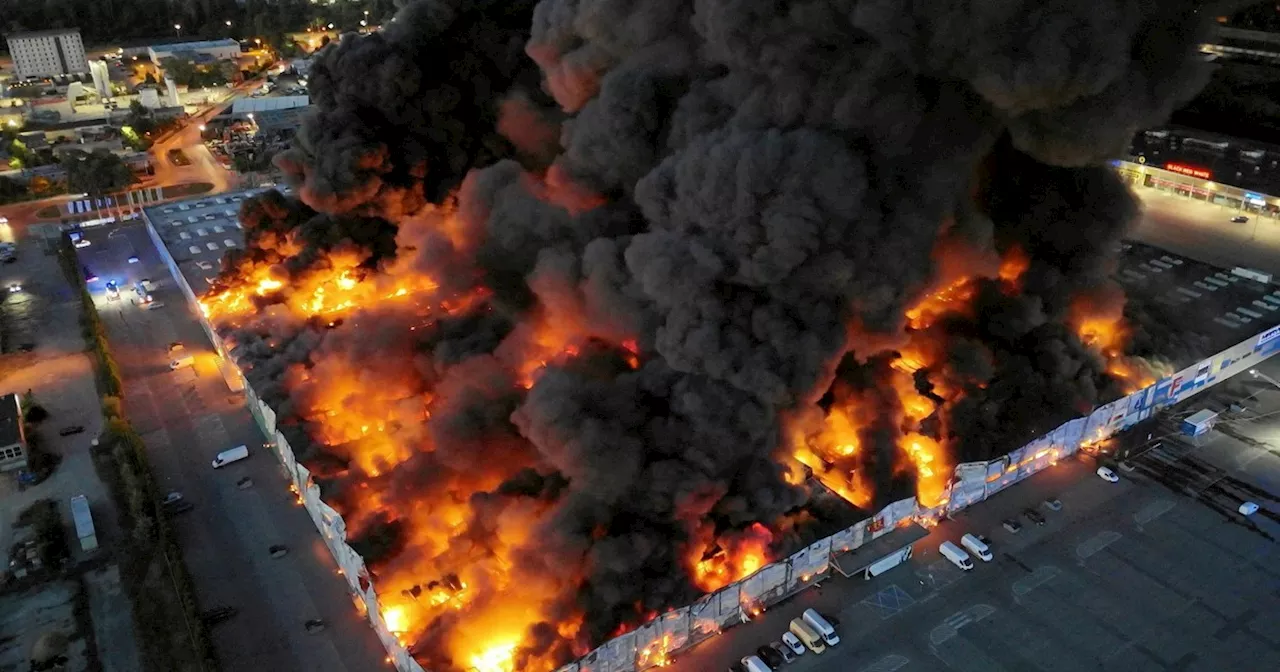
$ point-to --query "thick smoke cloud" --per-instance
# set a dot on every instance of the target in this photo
(653, 232)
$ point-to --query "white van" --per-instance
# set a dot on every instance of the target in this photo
(181, 361)
(956, 555)
(754, 664)
(228, 456)
(815, 620)
(976, 547)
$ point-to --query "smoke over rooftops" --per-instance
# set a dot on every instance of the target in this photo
(573, 281)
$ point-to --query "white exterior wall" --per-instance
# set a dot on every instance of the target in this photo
(38, 55)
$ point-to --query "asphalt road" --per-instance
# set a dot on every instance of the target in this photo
(1205, 232)
(185, 418)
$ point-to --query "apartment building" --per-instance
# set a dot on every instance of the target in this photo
(47, 53)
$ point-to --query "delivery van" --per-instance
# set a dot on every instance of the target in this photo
(228, 456)
(820, 625)
(976, 547)
(806, 634)
(182, 361)
(754, 664)
(956, 555)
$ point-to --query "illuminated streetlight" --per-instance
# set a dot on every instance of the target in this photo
(331, 26)
(177, 27)
(228, 24)
(363, 22)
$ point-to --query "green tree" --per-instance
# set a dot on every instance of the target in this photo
(97, 173)
(11, 191)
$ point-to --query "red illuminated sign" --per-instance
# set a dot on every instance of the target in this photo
(1188, 170)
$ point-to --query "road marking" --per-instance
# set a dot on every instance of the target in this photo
(1098, 542)
(1152, 511)
(890, 601)
(950, 626)
(889, 663)
(1039, 577)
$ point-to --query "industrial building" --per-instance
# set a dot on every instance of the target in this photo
(13, 436)
(47, 53)
(193, 235)
(207, 50)
(269, 114)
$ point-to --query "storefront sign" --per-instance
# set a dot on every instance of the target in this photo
(1188, 170)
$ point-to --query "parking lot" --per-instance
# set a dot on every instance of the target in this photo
(186, 417)
(44, 353)
(1156, 572)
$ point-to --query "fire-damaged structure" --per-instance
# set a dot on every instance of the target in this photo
(582, 308)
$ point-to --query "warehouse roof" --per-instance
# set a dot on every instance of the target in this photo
(197, 233)
(194, 46)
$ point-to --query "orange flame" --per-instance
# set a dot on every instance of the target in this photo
(740, 555)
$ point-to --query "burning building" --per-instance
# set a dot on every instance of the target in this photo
(578, 306)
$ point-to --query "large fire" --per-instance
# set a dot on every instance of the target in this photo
(368, 415)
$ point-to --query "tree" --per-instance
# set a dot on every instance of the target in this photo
(11, 191)
(96, 173)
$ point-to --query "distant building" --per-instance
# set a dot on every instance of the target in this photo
(101, 78)
(13, 437)
(195, 51)
(271, 114)
(47, 53)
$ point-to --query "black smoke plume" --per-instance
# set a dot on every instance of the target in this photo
(720, 191)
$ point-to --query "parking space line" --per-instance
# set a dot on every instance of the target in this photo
(889, 663)
(1035, 579)
(1096, 543)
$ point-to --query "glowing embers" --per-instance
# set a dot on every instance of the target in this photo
(952, 297)
(833, 454)
(733, 556)
(933, 473)
(1097, 317)
(496, 658)
(334, 285)
(656, 654)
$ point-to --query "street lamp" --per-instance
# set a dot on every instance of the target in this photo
(1258, 374)
(330, 26)
(177, 27)
(363, 23)
(228, 24)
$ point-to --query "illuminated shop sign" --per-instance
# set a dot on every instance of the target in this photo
(1188, 170)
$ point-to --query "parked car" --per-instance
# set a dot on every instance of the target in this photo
(71, 429)
(792, 642)
(1034, 516)
(1052, 503)
(1248, 509)
(785, 651)
(770, 657)
(1107, 475)
(1126, 467)
(1012, 525)
(1239, 219)
(172, 497)
(78, 239)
